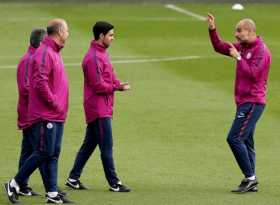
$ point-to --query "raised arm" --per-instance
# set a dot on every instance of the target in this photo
(218, 44)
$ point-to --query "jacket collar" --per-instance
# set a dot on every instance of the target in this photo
(31, 49)
(50, 42)
(254, 43)
(97, 46)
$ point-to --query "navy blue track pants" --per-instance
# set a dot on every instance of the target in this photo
(46, 139)
(241, 136)
(98, 132)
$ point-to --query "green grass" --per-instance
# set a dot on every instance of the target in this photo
(170, 130)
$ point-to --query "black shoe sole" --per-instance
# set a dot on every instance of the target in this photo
(246, 190)
(120, 191)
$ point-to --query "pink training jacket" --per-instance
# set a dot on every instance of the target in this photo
(23, 88)
(251, 71)
(48, 95)
(100, 82)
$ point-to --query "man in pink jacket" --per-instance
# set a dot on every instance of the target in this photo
(253, 60)
(47, 111)
(100, 84)
(23, 70)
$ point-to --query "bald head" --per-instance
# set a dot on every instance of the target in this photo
(245, 31)
(58, 30)
(56, 25)
(247, 24)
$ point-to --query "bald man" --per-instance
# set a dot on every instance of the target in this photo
(252, 67)
(48, 106)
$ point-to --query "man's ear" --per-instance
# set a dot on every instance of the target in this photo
(101, 36)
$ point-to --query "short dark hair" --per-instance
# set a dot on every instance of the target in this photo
(101, 27)
(54, 29)
(36, 37)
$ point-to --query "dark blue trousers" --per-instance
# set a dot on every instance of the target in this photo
(241, 136)
(27, 148)
(46, 138)
(98, 132)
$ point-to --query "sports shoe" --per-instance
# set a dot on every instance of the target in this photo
(75, 184)
(59, 199)
(245, 186)
(27, 191)
(11, 193)
(54, 200)
(119, 188)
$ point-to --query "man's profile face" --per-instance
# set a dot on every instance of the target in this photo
(108, 38)
(242, 34)
(64, 33)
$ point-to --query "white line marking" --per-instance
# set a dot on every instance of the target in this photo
(129, 61)
(185, 11)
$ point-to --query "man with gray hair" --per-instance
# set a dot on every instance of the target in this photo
(23, 69)
(253, 60)
(47, 111)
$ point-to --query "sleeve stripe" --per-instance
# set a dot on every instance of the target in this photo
(43, 59)
(98, 71)
(26, 79)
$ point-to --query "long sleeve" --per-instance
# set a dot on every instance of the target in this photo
(218, 45)
(116, 81)
(23, 79)
(97, 77)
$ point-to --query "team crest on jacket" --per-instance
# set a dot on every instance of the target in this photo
(249, 55)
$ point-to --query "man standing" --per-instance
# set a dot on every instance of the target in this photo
(47, 110)
(253, 60)
(23, 70)
(100, 83)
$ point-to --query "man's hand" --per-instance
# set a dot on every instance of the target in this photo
(211, 21)
(234, 52)
(124, 86)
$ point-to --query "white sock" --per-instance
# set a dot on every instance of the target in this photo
(252, 177)
(72, 180)
(52, 194)
(15, 185)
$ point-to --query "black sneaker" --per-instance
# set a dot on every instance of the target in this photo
(27, 191)
(119, 188)
(75, 185)
(54, 200)
(11, 193)
(245, 186)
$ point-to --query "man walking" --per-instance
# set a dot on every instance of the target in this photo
(253, 60)
(100, 83)
(47, 110)
(23, 70)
